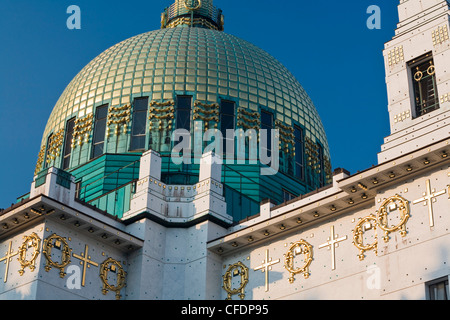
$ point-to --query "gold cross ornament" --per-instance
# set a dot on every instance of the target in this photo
(266, 267)
(428, 198)
(85, 261)
(7, 258)
(332, 243)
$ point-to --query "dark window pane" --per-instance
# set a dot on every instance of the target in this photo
(138, 143)
(266, 120)
(66, 163)
(227, 107)
(267, 124)
(98, 142)
(183, 120)
(68, 143)
(299, 157)
(184, 102)
(140, 104)
(226, 123)
(227, 120)
(102, 112)
(100, 131)
(439, 291)
(97, 151)
(139, 123)
(298, 133)
(321, 167)
(139, 126)
(48, 155)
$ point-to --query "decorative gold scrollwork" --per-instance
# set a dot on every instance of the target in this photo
(248, 119)
(312, 153)
(112, 265)
(54, 146)
(169, 103)
(391, 204)
(81, 130)
(300, 247)
(249, 113)
(40, 161)
(234, 270)
(328, 169)
(163, 113)
(287, 136)
(395, 203)
(120, 116)
(55, 241)
(207, 113)
(367, 223)
(31, 241)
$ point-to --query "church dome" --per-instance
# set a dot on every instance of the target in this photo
(180, 60)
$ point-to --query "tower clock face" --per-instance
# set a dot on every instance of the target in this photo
(193, 4)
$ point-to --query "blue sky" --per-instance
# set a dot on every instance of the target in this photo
(325, 44)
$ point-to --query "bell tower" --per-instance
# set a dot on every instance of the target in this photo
(417, 63)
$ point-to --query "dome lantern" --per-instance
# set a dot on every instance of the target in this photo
(192, 13)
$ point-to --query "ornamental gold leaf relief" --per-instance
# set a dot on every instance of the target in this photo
(29, 251)
(234, 270)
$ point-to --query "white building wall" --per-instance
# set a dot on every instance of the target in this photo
(419, 20)
(400, 270)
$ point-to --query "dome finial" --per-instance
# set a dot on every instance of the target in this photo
(193, 13)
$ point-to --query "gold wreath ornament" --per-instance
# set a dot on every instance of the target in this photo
(367, 223)
(393, 203)
(235, 270)
(31, 241)
(112, 265)
(299, 248)
(55, 241)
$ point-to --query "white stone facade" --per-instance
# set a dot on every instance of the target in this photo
(416, 35)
